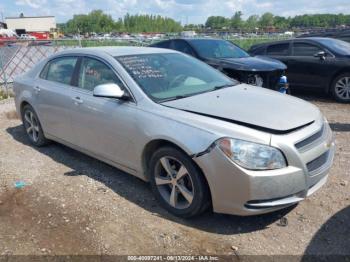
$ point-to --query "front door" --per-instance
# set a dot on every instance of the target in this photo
(307, 71)
(102, 126)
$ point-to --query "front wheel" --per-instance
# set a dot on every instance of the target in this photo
(340, 88)
(177, 183)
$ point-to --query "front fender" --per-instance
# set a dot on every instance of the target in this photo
(189, 138)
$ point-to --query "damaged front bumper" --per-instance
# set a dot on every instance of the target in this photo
(235, 190)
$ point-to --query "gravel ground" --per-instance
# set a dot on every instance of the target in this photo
(74, 204)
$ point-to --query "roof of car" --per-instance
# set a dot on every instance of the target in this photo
(119, 50)
(201, 38)
(189, 39)
(312, 38)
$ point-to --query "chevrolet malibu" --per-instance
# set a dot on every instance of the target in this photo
(199, 138)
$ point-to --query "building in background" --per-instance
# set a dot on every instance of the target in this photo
(38, 26)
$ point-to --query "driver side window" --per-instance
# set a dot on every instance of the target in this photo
(94, 72)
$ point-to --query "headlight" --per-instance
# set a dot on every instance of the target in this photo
(251, 155)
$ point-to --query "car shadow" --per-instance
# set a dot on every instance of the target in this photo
(313, 96)
(332, 241)
(138, 191)
(340, 127)
(324, 98)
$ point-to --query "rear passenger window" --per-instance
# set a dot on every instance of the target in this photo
(305, 49)
(60, 70)
(94, 72)
(278, 50)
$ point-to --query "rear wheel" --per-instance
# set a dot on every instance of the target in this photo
(32, 126)
(341, 88)
(177, 183)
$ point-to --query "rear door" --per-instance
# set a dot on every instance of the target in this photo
(102, 126)
(53, 91)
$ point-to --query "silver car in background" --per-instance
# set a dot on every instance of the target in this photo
(200, 138)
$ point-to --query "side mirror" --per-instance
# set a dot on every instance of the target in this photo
(322, 55)
(110, 91)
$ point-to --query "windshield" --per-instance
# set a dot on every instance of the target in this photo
(338, 46)
(218, 49)
(165, 77)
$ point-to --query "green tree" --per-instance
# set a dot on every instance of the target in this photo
(281, 22)
(252, 22)
(217, 22)
(98, 22)
(266, 20)
(236, 20)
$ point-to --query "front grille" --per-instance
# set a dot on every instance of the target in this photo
(317, 162)
(310, 139)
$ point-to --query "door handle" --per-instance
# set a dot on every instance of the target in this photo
(37, 89)
(77, 100)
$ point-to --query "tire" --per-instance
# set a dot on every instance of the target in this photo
(186, 193)
(340, 88)
(32, 127)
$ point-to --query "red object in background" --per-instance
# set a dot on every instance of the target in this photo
(6, 40)
(40, 35)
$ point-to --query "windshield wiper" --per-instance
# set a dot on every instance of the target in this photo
(222, 86)
(198, 93)
(174, 98)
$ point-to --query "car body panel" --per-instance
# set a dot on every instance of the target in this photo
(54, 104)
(250, 64)
(247, 104)
(97, 122)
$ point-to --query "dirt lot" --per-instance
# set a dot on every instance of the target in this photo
(73, 204)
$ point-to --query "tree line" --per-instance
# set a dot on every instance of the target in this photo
(99, 22)
(270, 20)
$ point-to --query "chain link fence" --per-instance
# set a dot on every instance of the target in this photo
(16, 59)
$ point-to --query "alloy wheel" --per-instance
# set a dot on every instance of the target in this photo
(31, 125)
(174, 182)
(342, 88)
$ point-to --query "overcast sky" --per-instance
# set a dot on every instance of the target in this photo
(191, 11)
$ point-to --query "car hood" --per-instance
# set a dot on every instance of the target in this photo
(257, 63)
(250, 106)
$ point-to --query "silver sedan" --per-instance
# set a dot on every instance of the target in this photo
(201, 139)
